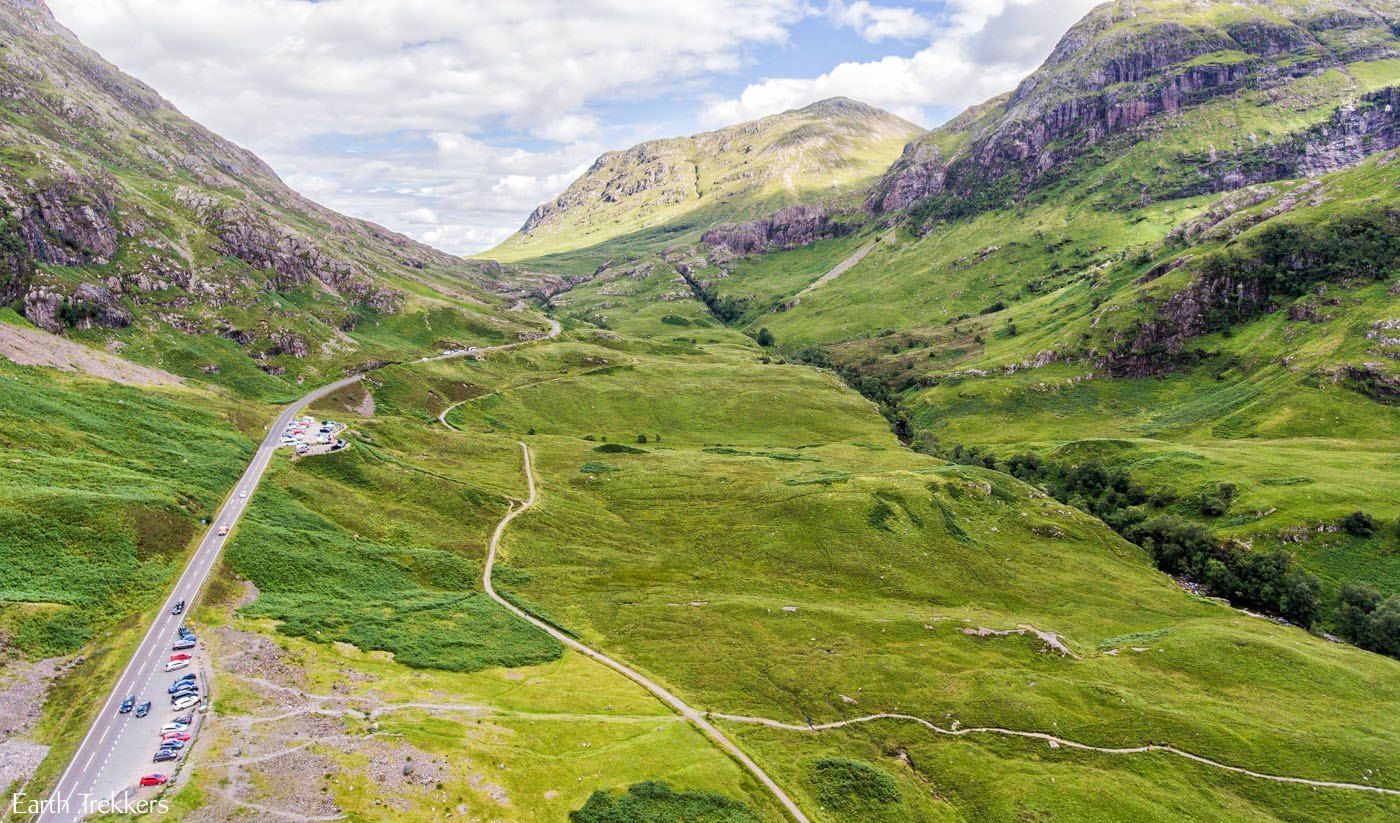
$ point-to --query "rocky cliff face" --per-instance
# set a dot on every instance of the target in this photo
(1131, 61)
(786, 228)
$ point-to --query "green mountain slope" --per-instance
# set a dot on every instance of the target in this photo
(1170, 250)
(663, 191)
(128, 225)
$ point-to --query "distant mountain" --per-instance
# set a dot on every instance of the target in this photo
(127, 224)
(826, 151)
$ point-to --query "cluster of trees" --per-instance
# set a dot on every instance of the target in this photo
(1269, 581)
(1368, 621)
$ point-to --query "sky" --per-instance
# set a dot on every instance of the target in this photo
(450, 120)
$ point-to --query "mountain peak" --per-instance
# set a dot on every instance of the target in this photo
(832, 148)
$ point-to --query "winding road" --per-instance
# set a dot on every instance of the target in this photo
(693, 715)
(117, 748)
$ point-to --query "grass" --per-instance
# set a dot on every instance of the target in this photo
(102, 490)
(795, 595)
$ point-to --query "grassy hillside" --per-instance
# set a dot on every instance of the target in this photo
(821, 572)
(1170, 250)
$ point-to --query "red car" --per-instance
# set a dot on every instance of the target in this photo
(154, 780)
(181, 656)
(183, 737)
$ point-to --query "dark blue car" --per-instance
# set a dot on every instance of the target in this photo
(127, 705)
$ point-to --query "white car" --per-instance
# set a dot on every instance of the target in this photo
(185, 703)
(173, 727)
(243, 493)
(176, 664)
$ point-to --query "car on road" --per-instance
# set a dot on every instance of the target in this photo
(181, 656)
(181, 736)
(178, 608)
(188, 702)
(242, 494)
(143, 709)
(176, 665)
(178, 646)
(223, 529)
(127, 705)
(154, 780)
(165, 755)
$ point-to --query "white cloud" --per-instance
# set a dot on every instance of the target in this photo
(451, 119)
(298, 82)
(978, 49)
(876, 23)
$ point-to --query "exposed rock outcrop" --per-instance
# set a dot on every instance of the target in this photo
(791, 226)
(297, 260)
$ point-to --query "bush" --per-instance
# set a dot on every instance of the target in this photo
(765, 337)
(653, 802)
(850, 785)
(616, 448)
(1212, 506)
(1359, 524)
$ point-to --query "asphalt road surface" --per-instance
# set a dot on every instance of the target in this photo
(117, 750)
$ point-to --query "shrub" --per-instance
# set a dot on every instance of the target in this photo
(1359, 524)
(1368, 621)
(654, 802)
(850, 785)
(1212, 506)
(765, 337)
(616, 448)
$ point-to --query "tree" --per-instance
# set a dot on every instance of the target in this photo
(641, 438)
(765, 337)
(1356, 601)
(1383, 628)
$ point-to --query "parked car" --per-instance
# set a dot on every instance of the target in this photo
(127, 705)
(181, 645)
(187, 702)
(176, 664)
(186, 676)
(173, 745)
(181, 656)
(164, 755)
(173, 727)
(183, 689)
(143, 709)
(154, 780)
(183, 736)
(178, 608)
